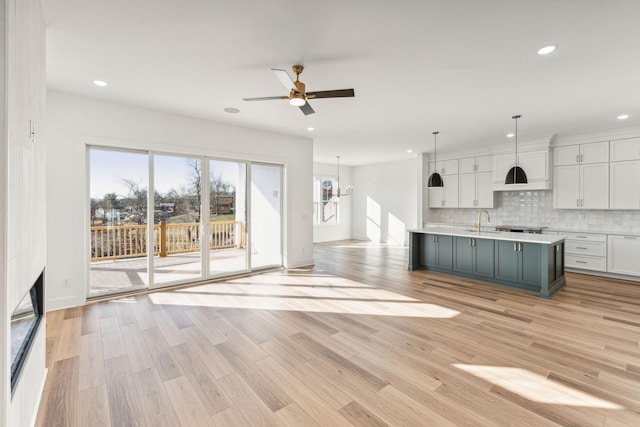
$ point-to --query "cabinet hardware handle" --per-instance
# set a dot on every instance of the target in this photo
(629, 237)
(577, 158)
(578, 202)
(469, 241)
(515, 247)
(581, 237)
(581, 262)
(578, 247)
(474, 243)
(519, 247)
(581, 158)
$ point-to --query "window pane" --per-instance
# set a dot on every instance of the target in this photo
(118, 232)
(178, 200)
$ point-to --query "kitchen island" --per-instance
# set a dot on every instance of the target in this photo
(533, 262)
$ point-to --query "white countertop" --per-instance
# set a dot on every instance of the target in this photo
(545, 239)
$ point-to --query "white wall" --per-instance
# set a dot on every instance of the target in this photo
(385, 201)
(22, 195)
(73, 122)
(342, 230)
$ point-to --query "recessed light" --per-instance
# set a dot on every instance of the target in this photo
(547, 49)
(310, 129)
(623, 116)
(231, 110)
(409, 151)
(99, 83)
(510, 135)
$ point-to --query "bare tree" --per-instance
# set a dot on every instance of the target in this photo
(196, 185)
(137, 199)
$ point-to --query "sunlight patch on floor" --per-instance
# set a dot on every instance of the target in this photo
(305, 304)
(535, 387)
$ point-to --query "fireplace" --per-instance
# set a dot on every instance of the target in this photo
(25, 322)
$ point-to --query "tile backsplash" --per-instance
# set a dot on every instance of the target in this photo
(536, 208)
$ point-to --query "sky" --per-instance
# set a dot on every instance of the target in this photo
(109, 167)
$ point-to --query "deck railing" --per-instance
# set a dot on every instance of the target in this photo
(130, 241)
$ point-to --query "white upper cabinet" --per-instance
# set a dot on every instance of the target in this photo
(625, 149)
(624, 190)
(476, 164)
(595, 152)
(535, 165)
(475, 189)
(446, 196)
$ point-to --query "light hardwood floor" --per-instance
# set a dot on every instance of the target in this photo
(356, 340)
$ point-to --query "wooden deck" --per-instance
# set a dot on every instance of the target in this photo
(128, 273)
(356, 340)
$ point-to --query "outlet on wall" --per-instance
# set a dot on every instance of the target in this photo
(65, 282)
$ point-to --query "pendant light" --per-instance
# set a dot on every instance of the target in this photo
(516, 174)
(435, 180)
(348, 190)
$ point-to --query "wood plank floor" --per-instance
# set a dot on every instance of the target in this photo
(356, 340)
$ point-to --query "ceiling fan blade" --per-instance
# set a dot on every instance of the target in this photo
(340, 93)
(266, 98)
(306, 109)
(285, 79)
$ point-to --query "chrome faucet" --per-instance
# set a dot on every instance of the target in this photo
(480, 218)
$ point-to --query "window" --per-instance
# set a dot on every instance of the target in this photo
(325, 200)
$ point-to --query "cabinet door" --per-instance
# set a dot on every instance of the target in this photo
(450, 191)
(444, 258)
(449, 167)
(625, 149)
(622, 256)
(596, 152)
(594, 182)
(529, 261)
(506, 260)
(566, 187)
(436, 197)
(484, 190)
(484, 257)
(484, 164)
(467, 165)
(501, 165)
(428, 250)
(624, 186)
(467, 190)
(564, 156)
(463, 259)
(534, 165)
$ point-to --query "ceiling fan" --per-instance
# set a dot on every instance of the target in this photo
(298, 96)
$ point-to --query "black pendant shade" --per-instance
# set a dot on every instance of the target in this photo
(516, 175)
(435, 180)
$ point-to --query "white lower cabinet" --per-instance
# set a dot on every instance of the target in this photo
(623, 254)
(585, 251)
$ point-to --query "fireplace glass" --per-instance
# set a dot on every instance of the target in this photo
(24, 324)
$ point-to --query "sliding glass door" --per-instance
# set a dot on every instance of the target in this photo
(162, 219)
(178, 197)
(228, 217)
(118, 183)
(266, 215)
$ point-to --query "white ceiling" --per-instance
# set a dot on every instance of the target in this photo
(462, 67)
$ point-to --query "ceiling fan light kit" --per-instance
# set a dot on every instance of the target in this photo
(298, 96)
